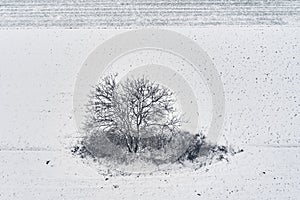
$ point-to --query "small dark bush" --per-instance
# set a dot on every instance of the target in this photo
(156, 149)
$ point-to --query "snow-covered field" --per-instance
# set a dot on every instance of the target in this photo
(258, 173)
(259, 67)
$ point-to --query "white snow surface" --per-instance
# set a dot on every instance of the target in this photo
(259, 67)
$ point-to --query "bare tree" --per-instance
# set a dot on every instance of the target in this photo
(133, 109)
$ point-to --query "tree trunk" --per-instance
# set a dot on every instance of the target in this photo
(129, 143)
(137, 139)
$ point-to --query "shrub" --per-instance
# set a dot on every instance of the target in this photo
(137, 120)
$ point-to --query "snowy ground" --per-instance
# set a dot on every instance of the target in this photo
(259, 67)
(258, 173)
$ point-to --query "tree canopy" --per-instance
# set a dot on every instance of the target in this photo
(132, 109)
